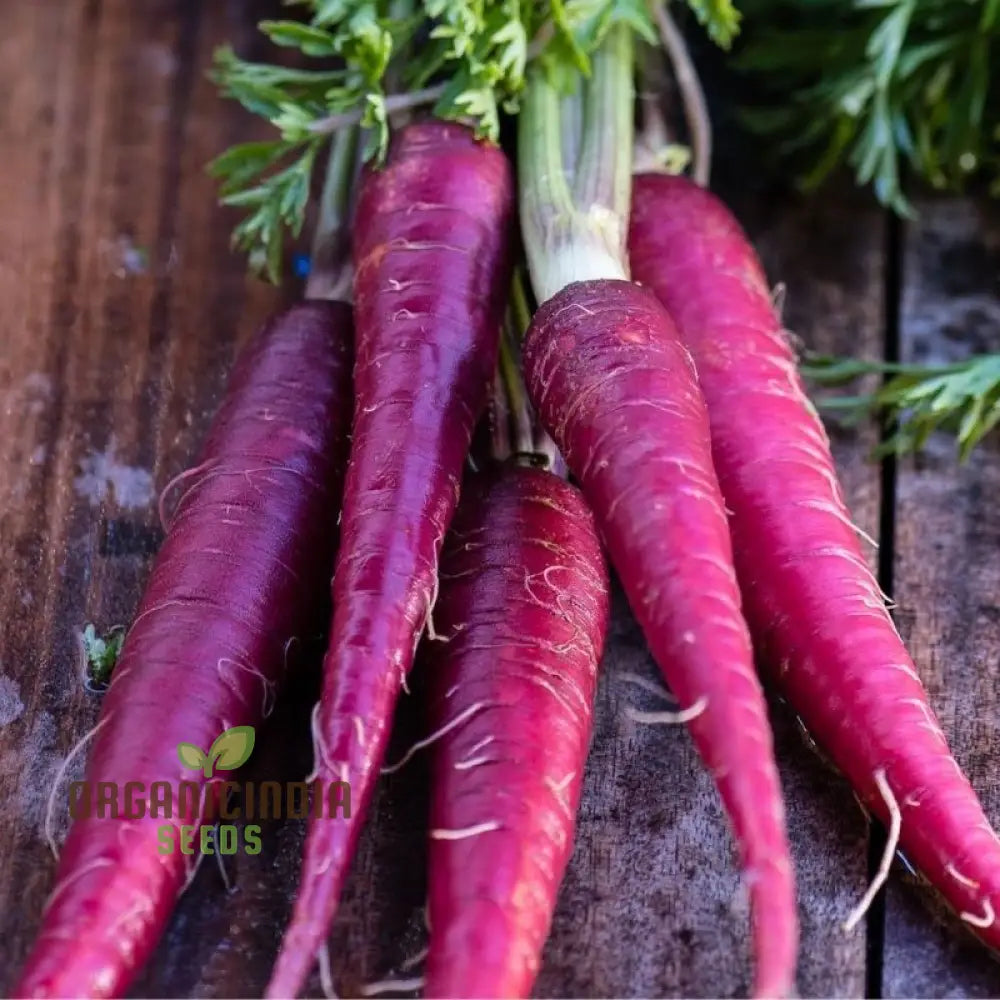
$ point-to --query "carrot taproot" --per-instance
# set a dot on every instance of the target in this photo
(615, 387)
(814, 606)
(523, 611)
(431, 255)
(239, 579)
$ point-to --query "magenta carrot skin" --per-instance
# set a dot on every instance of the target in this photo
(432, 235)
(524, 607)
(812, 602)
(615, 387)
(249, 548)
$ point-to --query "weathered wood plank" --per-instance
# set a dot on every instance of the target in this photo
(947, 574)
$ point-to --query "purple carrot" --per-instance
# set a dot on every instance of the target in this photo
(814, 607)
(523, 611)
(617, 390)
(239, 580)
(431, 273)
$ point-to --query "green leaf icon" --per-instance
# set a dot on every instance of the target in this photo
(191, 756)
(232, 749)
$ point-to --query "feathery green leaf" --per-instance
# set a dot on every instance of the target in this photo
(962, 398)
(876, 85)
(465, 59)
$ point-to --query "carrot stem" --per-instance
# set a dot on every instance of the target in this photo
(532, 444)
(653, 94)
(603, 181)
(331, 274)
(692, 95)
(574, 216)
(520, 307)
(571, 125)
(394, 104)
(500, 419)
(517, 395)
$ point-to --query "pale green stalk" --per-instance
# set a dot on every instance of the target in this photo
(574, 217)
(330, 271)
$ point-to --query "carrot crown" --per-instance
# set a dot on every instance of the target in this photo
(575, 164)
(360, 62)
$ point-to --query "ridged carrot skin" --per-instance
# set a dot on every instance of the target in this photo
(616, 389)
(431, 276)
(240, 577)
(524, 609)
(813, 604)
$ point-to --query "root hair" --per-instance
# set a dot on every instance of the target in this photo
(414, 960)
(986, 919)
(325, 975)
(392, 986)
(50, 835)
(892, 842)
(668, 718)
(435, 736)
(647, 684)
(469, 831)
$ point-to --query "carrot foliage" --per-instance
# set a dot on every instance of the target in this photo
(357, 62)
(962, 398)
(879, 85)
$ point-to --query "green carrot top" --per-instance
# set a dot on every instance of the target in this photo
(360, 61)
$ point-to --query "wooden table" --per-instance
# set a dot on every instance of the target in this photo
(122, 308)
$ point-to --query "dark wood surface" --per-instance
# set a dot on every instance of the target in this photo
(122, 308)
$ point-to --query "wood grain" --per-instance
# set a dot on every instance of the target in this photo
(947, 574)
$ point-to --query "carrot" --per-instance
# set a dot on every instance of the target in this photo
(239, 579)
(431, 249)
(616, 389)
(814, 606)
(523, 609)
(612, 383)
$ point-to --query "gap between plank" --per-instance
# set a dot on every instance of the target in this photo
(892, 293)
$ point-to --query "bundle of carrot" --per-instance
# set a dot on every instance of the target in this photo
(654, 370)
